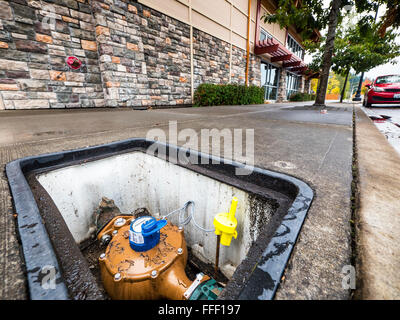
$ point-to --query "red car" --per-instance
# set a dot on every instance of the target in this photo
(385, 90)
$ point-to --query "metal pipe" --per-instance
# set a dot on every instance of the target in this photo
(257, 35)
(248, 44)
(191, 52)
(217, 254)
(344, 86)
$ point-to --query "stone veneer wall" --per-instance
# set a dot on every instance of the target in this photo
(33, 72)
(133, 56)
(238, 68)
(307, 85)
(144, 55)
(301, 84)
(255, 70)
(282, 92)
(210, 59)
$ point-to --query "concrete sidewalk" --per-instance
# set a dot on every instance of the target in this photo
(291, 138)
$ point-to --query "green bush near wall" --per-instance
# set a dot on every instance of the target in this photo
(208, 94)
(300, 96)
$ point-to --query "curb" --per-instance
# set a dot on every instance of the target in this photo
(378, 213)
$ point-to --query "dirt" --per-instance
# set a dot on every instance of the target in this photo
(195, 265)
(106, 211)
(91, 254)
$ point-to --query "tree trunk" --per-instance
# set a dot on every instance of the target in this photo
(344, 86)
(327, 58)
(389, 19)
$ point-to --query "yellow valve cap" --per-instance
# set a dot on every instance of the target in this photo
(227, 238)
(225, 224)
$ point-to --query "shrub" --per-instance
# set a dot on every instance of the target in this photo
(300, 96)
(227, 94)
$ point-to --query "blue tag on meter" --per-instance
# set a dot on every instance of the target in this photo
(144, 233)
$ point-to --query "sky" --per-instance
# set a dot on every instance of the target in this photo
(380, 70)
(385, 69)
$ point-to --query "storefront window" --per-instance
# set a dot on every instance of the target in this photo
(294, 47)
(265, 35)
(292, 84)
(270, 80)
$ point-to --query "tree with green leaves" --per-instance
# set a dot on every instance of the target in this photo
(308, 15)
(360, 47)
(391, 18)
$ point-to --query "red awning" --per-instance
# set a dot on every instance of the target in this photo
(278, 52)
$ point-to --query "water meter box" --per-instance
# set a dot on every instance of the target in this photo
(56, 195)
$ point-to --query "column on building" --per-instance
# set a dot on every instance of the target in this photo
(301, 84)
(255, 70)
(307, 85)
(282, 92)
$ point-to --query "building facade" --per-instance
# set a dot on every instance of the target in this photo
(140, 53)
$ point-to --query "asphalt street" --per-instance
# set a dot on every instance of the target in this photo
(390, 127)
